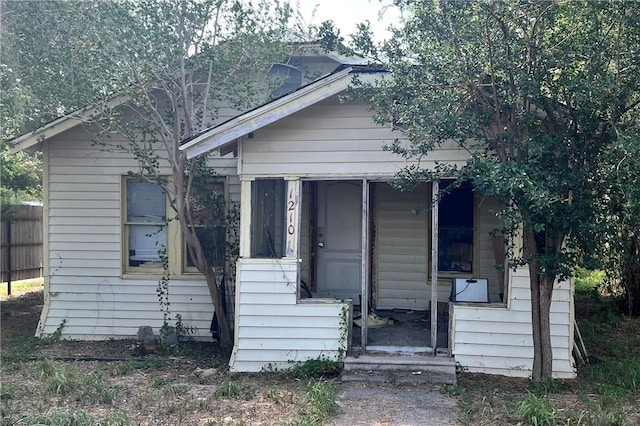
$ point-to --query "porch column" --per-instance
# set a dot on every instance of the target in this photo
(364, 304)
(293, 212)
(435, 188)
(245, 217)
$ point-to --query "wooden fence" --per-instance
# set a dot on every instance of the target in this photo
(21, 243)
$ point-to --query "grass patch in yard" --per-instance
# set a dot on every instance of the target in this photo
(606, 391)
(21, 287)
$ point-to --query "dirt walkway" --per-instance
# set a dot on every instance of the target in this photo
(394, 405)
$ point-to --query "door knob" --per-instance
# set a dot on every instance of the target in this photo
(320, 244)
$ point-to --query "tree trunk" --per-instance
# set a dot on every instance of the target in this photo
(631, 275)
(541, 292)
(218, 306)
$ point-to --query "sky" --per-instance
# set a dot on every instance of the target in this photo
(347, 13)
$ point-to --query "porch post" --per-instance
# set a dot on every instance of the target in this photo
(292, 247)
(435, 188)
(245, 217)
(364, 304)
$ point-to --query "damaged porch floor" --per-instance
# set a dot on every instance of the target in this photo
(399, 351)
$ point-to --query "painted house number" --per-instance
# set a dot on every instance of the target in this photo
(291, 229)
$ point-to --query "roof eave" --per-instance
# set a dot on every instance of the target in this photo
(60, 125)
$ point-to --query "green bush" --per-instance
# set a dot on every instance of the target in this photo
(317, 368)
(587, 281)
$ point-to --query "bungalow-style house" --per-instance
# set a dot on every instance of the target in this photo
(333, 260)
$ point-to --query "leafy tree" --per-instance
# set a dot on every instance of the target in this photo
(544, 95)
(173, 62)
(20, 177)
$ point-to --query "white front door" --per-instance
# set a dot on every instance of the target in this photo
(339, 230)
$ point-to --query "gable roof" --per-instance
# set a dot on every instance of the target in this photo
(83, 115)
(60, 125)
(277, 109)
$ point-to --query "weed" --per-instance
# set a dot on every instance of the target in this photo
(319, 401)
(536, 410)
(21, 349)
(228, 389)
(56, 335)
(11, 391)
(551, 387)
(65, 381)
(317, 368)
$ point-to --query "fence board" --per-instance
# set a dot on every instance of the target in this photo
(21, 235)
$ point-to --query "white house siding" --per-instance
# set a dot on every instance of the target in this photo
(85, 285)
(330, 139)
(273, 327)
(401, 248)
(498, 340)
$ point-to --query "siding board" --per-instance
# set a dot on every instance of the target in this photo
(499, 340)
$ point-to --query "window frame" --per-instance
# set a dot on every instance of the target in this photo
(126, 229)
(193, 270)
(449, 273)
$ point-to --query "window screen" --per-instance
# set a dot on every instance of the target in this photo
(267, 218)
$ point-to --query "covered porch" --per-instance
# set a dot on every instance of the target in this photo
(321, 255)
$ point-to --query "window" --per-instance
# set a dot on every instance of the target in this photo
(146, 223)
(267, 218)
(210, 227)
(148, 230)
(455, 235)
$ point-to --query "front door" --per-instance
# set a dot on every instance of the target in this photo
(338, 239)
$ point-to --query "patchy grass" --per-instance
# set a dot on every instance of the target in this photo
(35, 388)
(606, 391)
(18, 288)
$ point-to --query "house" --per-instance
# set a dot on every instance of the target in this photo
(317, 211)
(325, 243)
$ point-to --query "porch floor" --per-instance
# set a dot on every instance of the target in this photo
(409, 329)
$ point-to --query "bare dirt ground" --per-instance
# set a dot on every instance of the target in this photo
(78, 380)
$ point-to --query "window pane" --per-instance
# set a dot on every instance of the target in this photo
(267, 218)
(144, 243)
(145, 201)
(146, 222)
(455, 233)
(213, 243)
(455, 249)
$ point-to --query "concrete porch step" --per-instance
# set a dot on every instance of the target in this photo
(381, 368)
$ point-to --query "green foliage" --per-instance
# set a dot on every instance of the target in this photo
(587, 281)
(319, 401)
(229, 389)
(508, 83)
(68, 382)
(536, 410)
(21, 177)
(316, 368)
